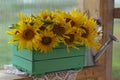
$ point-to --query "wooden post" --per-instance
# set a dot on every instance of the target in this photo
(105, 10)
(80, 5)
(116, 12)
(93, 7)
(107, 15)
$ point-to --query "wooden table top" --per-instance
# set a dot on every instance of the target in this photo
(86, 73)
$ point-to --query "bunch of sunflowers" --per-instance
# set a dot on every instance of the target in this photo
(47, 30)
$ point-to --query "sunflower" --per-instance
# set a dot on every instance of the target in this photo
(89, 34)
(45, 30)
(75, 18)
(78, 17)
(60, 28)
(28, 21)
(46, 15)
(71, 41)
(47, 41)
(26, 38)
(25, 34)
(14, 33)
(73, 21)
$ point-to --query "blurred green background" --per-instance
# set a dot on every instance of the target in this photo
(9, 10)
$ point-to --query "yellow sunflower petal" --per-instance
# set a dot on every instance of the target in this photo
(47, 41)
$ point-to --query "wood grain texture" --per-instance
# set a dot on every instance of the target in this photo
(80, 5)
(105, 10)
(91, 73)
(93, 7)
(116, 12)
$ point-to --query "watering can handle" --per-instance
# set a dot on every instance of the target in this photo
(104, 47)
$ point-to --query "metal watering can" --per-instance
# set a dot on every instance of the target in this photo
(91, 59)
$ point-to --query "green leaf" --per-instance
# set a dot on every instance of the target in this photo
(47, 22)
(13, 26)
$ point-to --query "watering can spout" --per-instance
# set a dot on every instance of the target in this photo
(104, 47)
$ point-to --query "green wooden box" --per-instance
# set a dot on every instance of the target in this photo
(37, 63)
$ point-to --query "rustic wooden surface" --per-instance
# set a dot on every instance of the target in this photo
(91, 73)
(93, 7)
(80, 5)
(116, 12)
(105, 10)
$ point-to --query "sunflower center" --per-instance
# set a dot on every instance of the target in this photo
(69, 40)
(28, 34)
(58, 29)
(46, 40)
(86, 32)
(42, 28)
(72, 22)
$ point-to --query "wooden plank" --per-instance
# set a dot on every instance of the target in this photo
(116, 12)
(103, 9)
(93, 7)
(106, 12)
(90, 73)
(80, 5)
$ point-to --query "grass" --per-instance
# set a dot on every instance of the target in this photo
(116, 53)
